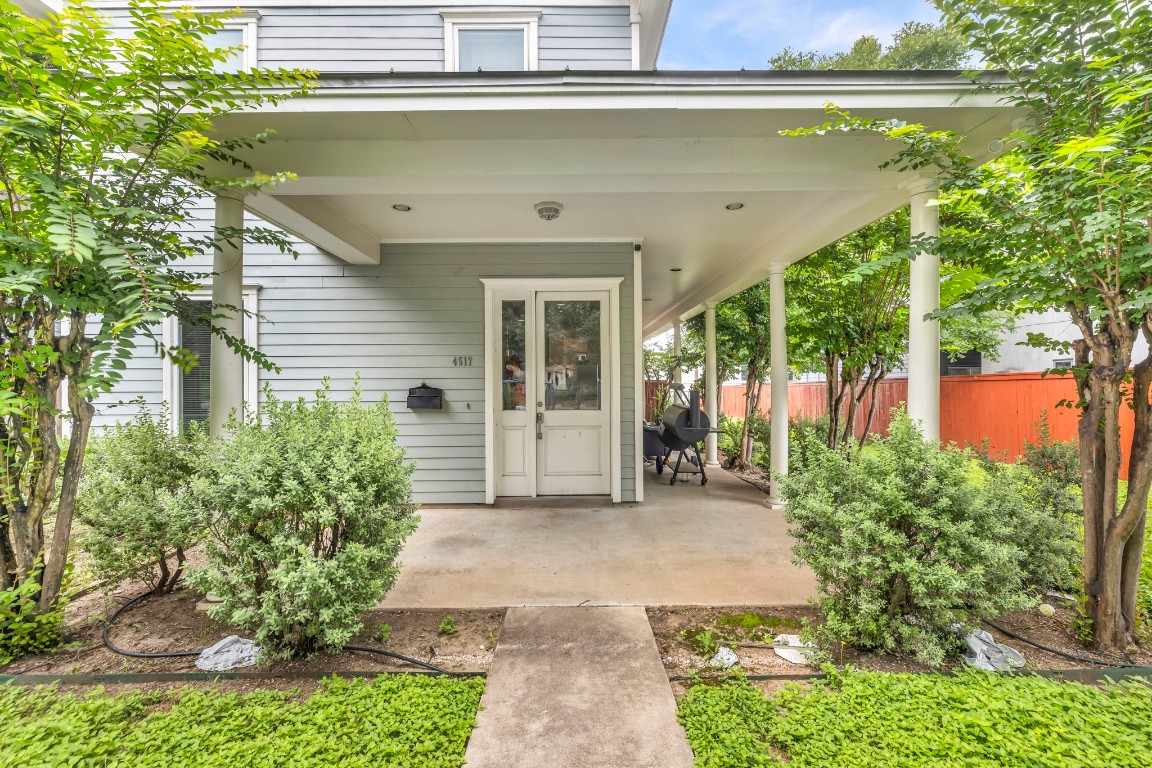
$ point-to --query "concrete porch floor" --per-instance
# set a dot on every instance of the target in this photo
(684, 545)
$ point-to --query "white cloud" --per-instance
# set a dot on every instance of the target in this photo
(826, 26)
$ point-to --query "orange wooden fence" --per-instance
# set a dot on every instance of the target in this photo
(1003, 408)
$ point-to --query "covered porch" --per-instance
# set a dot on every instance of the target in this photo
(430, 194)
(684, 545)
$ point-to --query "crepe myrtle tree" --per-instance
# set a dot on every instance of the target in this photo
(1064, 221)
(104, 146)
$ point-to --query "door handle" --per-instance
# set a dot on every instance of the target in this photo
(539, 425)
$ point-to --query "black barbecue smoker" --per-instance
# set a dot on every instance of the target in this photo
(683, 427)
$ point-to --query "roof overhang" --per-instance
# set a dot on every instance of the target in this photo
(653, 23)
(645, 157)
(40, 8)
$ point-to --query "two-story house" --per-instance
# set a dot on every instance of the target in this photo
(503, 199)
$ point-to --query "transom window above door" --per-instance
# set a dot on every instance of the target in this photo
(490, 42)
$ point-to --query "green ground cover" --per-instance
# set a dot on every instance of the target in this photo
(406, 721)
(866, 719)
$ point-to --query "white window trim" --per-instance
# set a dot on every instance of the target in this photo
(496, 286)
(171, 374)
(248, 24)
(454, 21)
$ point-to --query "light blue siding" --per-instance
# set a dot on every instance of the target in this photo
(397, 324)
(336, 39)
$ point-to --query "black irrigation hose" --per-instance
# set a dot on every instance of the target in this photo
(182, 654)
(399, 657)
(137, 654)
(1057, 651)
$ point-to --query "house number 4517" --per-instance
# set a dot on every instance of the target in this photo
(462, 362)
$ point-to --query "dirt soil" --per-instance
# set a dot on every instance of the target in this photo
(675, 629)
(172, 623)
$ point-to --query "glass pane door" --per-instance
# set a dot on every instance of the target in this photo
(572, 356)
(512, 345)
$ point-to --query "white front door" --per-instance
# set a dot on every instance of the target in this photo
(572, 422)
(552, 415)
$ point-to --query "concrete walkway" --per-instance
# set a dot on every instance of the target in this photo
(684, 545)
(576, 687)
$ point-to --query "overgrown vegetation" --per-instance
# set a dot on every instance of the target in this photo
(879, 720)
(24, 628)
(107, 141)
(406, 721)
(308, 512)
(1063, 221)
(908, 540)
(131, 525)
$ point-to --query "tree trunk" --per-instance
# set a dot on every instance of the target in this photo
(57, 554)
(872, 387)
(1113, 537)
(852, 380)
(751, 403)
(835, 398)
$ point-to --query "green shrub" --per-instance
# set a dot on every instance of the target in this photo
(728, 438)
(1048, 529)
(23, 629)
(309, 511)
(907, 540)
(806, 436)
(731, 433)
(130, 524)
(878, 720)
(1058, 460)
(447, 625)
(399, 721)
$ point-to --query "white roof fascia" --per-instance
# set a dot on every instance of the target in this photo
(636, 90)
(39, 9)
(653, 22)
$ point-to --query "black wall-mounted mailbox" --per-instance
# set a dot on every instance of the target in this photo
(425, 398)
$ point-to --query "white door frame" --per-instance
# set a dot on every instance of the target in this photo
(493, 361)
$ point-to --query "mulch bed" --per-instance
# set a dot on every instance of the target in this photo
(682, 660)
(172, 623)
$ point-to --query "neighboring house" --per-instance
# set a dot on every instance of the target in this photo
(503, 200)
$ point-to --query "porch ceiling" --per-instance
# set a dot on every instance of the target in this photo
(644, 157)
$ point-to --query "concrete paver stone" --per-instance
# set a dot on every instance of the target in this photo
(578, 688)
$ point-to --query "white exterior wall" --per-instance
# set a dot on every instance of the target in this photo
(1016, 359)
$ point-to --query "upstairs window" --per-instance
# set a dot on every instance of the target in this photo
(238, 33)
(490, 42)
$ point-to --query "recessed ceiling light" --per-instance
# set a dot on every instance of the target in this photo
(401, 207)
(734, 206)
(676, 269)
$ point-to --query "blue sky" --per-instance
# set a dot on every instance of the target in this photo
(729, 34)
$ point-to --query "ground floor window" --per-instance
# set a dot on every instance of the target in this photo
(188, 392)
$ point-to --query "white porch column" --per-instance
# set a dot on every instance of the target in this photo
(778, 455)
(710, 456)
(226, 369)
(677, 348)
(924, 335)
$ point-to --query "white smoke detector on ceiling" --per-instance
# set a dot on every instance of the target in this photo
(549, 210)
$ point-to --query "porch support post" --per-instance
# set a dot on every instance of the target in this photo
(924, 297)
(226, 369)
(778, 452)
(710, 455)
(677, 347)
